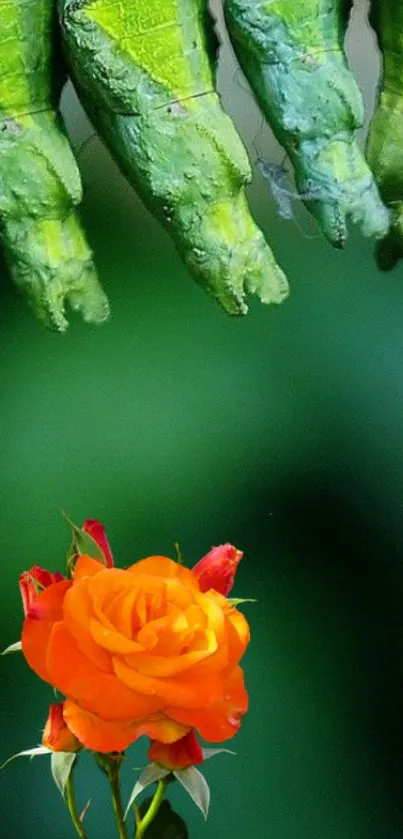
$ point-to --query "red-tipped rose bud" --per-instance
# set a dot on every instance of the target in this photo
(185, 752)
(97, 532)
(218, 568)
(56, 735)
(34, 581)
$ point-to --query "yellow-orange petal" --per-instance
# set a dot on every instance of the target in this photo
(101, 693)
(185, 691)
(113, 594)
(164, 568)
(111, 640)
(238, 633)
(222, 721)
(38, 624)
(87, 567)
(77, 614)
(159, 666)
(101, 736)
(165, 635)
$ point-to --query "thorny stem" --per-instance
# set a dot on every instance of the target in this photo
(110, 765)
(113, 776)
(72, 808)
(152, 810)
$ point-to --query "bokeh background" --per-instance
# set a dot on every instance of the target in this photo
(281, 433)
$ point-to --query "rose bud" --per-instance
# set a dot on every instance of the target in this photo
(56, 735)
(185, 752)
(218, 568)
(34, 581)
(97, 532)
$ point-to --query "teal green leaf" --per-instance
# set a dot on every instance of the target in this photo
(150, 775)
(37, 750)
(196, 786)
(13, 648)
(166, 824)
(61, 765)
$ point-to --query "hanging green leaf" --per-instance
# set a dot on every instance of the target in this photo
(37, 750)
(166, 824)
(292, 54)
(385, 135)
(13, 648)
(44, 244)
(61, 764)
(196, 785)
(157, 110)
(150, 775)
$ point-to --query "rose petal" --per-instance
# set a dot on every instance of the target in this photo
(101, 736)
(87, 567)
(112, 641)
(170, 665)
(165, 568)
(77, 614)
(37, 627)
(222, 721)
(184, 691)
(101, 693)
(238, 636)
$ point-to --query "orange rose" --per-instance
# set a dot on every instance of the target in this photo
(140, 651)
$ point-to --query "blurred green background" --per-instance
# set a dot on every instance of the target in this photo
(281, 433)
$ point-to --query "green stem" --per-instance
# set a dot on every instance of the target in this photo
(113, 775)
(72, 808)
(152, 810)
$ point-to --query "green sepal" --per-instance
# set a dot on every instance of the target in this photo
(82, 543)
(237, 601)
(179, 557)
(207, 753)
(151, 774)
(13, 648)
(61, 765)
(196, 786)
(166, 824)
(37, 750)
(108, 762)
